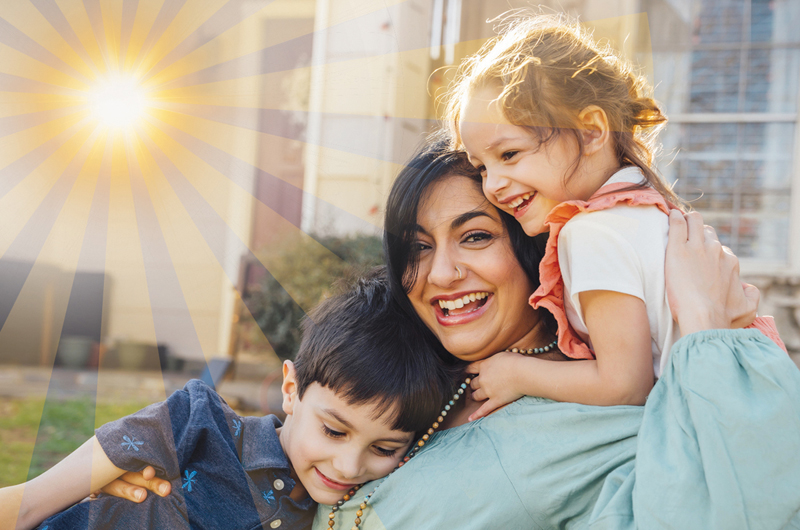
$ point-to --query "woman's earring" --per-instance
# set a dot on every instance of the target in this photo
(459, 272)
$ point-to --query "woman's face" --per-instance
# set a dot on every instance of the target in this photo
(485, 310)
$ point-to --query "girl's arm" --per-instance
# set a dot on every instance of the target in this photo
(85, 470)
(622, 374)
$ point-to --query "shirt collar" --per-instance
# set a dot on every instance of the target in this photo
(261, 447)
(627, 175)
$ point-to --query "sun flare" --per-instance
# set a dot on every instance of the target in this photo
(118, 102)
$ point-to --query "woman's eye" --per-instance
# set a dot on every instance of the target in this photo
(385, 452)
(508, 155)
(419, 246)
(476, 237)
(330, 432)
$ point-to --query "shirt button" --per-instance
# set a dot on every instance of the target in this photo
(278, 484)
(275, 524)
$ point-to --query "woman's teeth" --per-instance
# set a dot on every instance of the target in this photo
(519, 200)
(463, 301)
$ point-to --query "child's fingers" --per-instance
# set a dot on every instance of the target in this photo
(125, 490)
(133, 486)
(484, 410)
(474, 368)
(479, 394)
(475, 384)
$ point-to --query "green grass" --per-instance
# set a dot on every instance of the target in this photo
(55, 428)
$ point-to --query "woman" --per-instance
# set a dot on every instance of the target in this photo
(691, 458)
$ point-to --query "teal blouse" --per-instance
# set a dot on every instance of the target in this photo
(716, 446)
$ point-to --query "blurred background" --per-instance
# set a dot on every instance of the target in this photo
(182, 180)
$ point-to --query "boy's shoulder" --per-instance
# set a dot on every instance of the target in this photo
(166, 434)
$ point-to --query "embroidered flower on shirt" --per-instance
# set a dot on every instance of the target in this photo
(131, 443)
(188, 480)
(269, 496)
(238, 426)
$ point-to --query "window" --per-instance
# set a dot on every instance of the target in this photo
(728, 78)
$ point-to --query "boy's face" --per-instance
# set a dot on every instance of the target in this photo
(334, 446)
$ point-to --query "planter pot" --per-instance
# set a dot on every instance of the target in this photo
(75, 352)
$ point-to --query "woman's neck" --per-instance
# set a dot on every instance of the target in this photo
(540, 335)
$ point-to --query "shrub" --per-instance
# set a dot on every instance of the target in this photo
(303, 272)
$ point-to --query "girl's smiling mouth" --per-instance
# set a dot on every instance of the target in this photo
(520, 203)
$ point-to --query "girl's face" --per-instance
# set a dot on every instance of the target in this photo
(486, 310)
(520, 175)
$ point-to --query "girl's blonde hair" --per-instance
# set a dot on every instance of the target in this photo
(548, 69)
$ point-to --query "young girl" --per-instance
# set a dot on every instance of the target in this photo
(562, 130)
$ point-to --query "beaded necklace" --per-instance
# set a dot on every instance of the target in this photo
(420, 444)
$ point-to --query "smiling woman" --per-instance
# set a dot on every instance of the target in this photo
(459, 230)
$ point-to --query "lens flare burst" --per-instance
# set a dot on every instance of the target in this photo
(118, 102)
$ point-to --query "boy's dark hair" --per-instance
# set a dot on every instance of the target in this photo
(362, 346)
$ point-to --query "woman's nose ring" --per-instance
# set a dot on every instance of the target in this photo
(459, 272)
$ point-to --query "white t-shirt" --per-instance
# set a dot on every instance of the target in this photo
(620, 249)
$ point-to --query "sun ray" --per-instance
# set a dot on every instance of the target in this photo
(100, 31)
(20, 65)
(128, 20)
(30, 256)
(191, 15)
(13, 124)
(14, 38)
(220, 193)
(228, 44)
(171, 318)
(167, 12)
(78, 18)
(51, 12)
(25, 150)
(228, 16)
(130, 311)
(195, 266)
(288, 54)
(234, 165)
(36, 34)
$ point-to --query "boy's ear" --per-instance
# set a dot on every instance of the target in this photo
(289, 387)
(594, 129)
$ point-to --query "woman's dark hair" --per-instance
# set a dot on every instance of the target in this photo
(367, 350)
(431, 163)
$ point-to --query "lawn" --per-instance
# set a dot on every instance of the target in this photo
(34, 435)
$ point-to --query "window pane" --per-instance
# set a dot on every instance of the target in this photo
(719, 21)
(738, 175)
(715, 81)
(761, 13)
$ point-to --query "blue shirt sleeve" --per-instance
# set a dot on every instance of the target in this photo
(164, 434)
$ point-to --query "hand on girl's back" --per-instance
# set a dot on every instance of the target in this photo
(703, 285)
(493, 382)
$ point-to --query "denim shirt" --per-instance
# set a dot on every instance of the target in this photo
(227, 471)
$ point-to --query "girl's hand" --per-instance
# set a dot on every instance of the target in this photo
(493, 382)
(133, 486)
(702, 276)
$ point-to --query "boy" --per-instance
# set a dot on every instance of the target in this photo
(362, 385)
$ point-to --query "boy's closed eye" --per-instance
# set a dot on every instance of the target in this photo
(332, 433)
